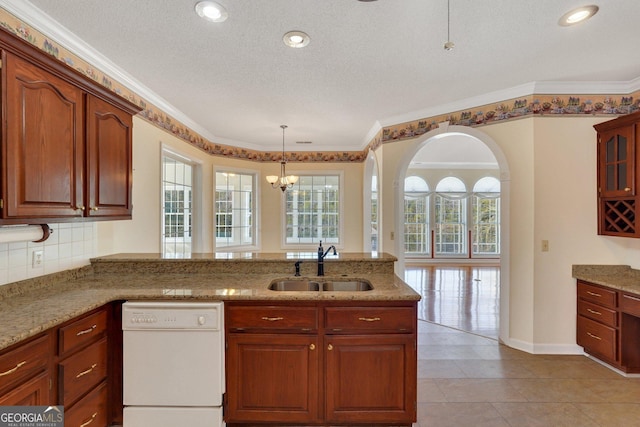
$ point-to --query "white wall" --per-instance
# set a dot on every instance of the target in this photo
(552, 164)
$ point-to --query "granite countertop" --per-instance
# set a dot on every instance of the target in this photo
(36, 305)
(620, 277)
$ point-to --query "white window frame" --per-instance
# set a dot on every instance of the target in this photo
(196, 197)
(255, 214)
(312, 245)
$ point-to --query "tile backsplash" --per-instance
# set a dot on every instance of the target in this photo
(71, 245)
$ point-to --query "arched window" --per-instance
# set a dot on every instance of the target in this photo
(450, 217)
(486, 216)
(416, 216)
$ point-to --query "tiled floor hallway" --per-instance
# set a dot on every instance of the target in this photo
(469, 380)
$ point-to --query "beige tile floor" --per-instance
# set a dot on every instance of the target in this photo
(470, 380)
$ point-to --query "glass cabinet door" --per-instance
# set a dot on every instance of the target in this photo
(617, 163)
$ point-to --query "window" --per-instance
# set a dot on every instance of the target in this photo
(234, 209)
(177, 205)
(450, 217)
(486, 216)
(416, 215)
(313, 210)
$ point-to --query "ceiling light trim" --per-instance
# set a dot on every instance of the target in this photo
(296, 39)
(578, 15)
(211, 11)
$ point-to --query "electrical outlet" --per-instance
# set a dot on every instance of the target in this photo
(393, 235)
(37, 259)
(545, 246)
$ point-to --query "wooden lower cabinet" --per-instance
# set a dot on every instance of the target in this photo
(272, 377)
(30, 393)
(608, 325)
(343, 365)
(90, 411)
(24, 373)
(369, 379)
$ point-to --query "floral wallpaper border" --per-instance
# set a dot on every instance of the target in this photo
(538, 105)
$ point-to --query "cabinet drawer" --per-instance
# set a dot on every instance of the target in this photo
(597, 312)
(630, 303)
(82, 371)
(374, 319)
(602, 296)
(82, 331)
(597, 338)
(23, 362)
(91, 411)
(271, 318)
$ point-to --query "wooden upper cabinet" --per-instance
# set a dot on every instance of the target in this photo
(617, 162)
(43, 150)
(618, 176)
(66, 145)
(109, 155)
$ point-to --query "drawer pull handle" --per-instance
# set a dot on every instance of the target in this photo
(593, 336)
(630, 297)
(272, 319)
(312, 346)
(329, 347)
(87, 331)
(593, 294)
(12, 370)
(83, 373)
(594, 312)
(369, 319)
(93, 417)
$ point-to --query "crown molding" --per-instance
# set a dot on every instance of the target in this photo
(527, 89)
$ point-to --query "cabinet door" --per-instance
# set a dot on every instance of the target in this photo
(371, 379)
(109, 160)
(43, 150)
(616, 150)
(272, 378)
(31, 393)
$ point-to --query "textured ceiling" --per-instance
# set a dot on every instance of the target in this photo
(368, 63)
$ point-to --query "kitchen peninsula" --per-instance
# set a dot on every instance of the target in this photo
(341, 327)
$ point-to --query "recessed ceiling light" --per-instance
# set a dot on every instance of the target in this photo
(296, 39)
(211, 11)
(578, 15)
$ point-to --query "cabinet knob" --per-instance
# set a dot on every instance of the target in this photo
(329, 347)
(78, 208)
(312, 346)
(627, 189)
(95, 208)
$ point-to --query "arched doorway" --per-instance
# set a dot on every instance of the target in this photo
(469, 135)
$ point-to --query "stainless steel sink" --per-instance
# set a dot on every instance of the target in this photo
(347, 286)
(297, 285)
(294, 285)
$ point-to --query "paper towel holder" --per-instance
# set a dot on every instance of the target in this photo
(35, 233)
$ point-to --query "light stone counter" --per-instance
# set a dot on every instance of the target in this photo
(32, 306)
(620, 277)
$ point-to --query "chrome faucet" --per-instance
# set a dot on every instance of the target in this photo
(321, 256)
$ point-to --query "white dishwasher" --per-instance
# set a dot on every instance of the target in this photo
(173, 364)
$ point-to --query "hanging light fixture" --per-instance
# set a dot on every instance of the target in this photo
(284, 181)
(449, 45)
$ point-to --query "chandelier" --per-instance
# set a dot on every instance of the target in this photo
(284, 181)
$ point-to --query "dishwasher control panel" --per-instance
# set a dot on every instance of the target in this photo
(171, 315)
